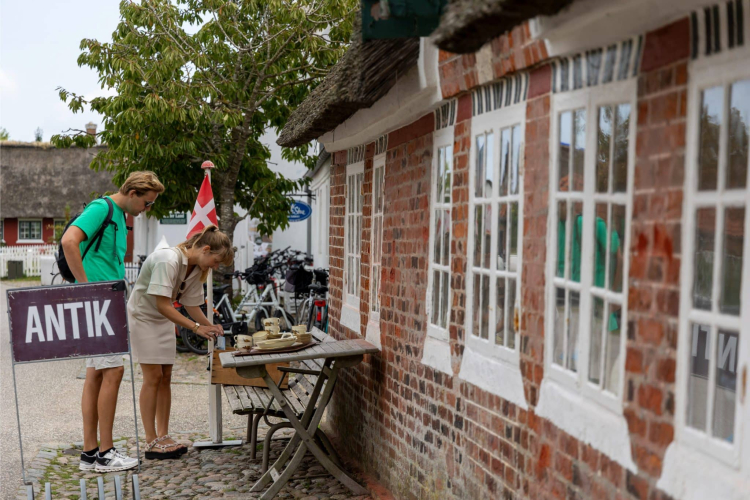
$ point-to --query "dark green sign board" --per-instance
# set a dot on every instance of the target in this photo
(383, 19)
(174, 219)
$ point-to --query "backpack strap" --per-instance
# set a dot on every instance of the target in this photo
(97, 238)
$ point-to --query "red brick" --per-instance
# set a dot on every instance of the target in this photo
(666, 45)
(540, 81)
(661, 433)
(634, 360)
(650, 398)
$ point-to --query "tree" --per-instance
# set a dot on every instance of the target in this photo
(38, 134)
(203, 80)
(4, 135)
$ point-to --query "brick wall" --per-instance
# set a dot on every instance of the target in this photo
(425, 434)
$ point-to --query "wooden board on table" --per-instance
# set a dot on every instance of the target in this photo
(229, 376)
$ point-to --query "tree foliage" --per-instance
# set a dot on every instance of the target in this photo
(4, 135)
(203, 80)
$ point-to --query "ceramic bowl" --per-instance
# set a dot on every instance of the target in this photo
(304, 338)
(259, 336)
(299, 329)
(271, 322)
(277, 343)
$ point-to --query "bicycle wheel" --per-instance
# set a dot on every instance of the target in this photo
(57, 279)
(303, 313)
(193, 341)
(181, 346)
(260, 315)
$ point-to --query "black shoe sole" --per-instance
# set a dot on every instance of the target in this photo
(153, 455)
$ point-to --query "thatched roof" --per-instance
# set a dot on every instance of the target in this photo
(39, 180)
(365, 73)
(466, 25)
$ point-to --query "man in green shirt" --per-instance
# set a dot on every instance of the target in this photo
(107, 263)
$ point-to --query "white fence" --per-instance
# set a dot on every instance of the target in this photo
(29, 255)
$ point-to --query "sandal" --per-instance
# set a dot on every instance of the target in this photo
(164, 452)
(180, 447)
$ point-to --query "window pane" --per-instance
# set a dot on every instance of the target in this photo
(435, 298)
(562, 214)
(725, 395)
(438, 236)
(620, 160)
(446, 247)
(502, 236)
(448, 158)
(576, 241)
(698, 382)
(558, 349)
(712, 104)
(731, 281)
(485, 311)
(477, 303)
(489, 165)
(573, 322)
(500, 312)
(739, 127)
(513, 250)
(505, 160)
(439, 170)
(357, 274)
(604, 143)
(510, 335)
(601, 224)
(579, 147)
(705, 230)
(479, 172)
(486, 248)
(612, 360)
(478, 232)
(617, 248)
(444, 300)
(595, 347)
(515, 157)
(566, 139)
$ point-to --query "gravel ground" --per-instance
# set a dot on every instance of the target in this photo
(49, 396)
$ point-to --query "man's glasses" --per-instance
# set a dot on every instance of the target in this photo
(149, 203)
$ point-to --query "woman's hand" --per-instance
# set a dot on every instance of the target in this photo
(210, 332)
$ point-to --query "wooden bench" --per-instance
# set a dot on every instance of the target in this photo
(258, 403)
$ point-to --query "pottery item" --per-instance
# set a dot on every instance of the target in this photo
(244, 341)
(299, 329)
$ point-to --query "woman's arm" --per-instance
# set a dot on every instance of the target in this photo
(166, 309)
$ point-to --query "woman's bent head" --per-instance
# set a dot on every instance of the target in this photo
(210, 248)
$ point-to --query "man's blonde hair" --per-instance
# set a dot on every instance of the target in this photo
(142, 182)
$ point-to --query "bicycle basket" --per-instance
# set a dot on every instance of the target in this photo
(297, 280)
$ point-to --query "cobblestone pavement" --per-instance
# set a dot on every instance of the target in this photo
(206, 474)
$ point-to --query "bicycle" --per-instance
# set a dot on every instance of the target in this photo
(314, 308)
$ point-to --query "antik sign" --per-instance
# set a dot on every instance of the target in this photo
(68, 321)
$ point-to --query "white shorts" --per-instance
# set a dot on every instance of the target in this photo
(104, 362)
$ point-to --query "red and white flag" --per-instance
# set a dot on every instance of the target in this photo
(204, 213)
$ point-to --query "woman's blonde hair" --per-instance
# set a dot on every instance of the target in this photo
(142, 182)
(218, 242)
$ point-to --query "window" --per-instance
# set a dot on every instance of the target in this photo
(30, 230)
(491, 359)
(591, 206)
(320, 222)
(352, 240)
(378, 191)
(712, 322)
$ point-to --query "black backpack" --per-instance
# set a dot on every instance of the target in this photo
(62, 263)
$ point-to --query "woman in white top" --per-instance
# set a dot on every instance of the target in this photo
(168, 275)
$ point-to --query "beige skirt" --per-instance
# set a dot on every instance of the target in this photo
(153, 342)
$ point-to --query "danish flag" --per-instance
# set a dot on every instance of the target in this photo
(204, 213)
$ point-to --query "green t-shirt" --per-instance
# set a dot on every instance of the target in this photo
(575, 251)
(108, 263)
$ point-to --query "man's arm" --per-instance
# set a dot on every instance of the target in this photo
(71, 242)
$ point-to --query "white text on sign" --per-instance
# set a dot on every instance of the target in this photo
(54, 321)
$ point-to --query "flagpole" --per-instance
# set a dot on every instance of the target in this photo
(215, 424)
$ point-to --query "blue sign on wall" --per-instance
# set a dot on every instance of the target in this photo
(300, 211)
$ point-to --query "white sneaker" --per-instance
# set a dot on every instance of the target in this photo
(113, 461)
(88, 462)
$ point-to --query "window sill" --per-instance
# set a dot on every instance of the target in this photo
(35, 242)
(437, 355)
(586, 420)
(493, 375)
(691, 475)
(372, 335)
(350, 318)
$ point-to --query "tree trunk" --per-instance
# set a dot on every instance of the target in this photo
(227, 224)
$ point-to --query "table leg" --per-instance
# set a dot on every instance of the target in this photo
(294, 441)
(306, 434)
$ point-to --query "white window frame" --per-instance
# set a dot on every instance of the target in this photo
(695, 468)
(321, 218)
(592, 413)
(372, 333)
(492, 367)
(689, 436)
(31, 240)
(350, 306)
(437, 351)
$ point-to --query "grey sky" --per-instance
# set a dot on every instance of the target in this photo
(39, 43)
